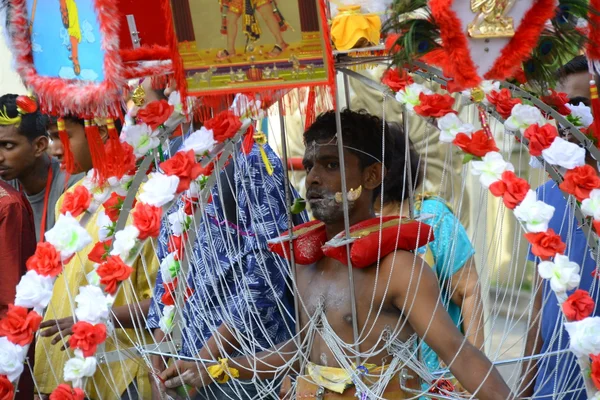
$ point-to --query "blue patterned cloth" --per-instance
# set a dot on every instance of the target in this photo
(245, 285)
(451, 248)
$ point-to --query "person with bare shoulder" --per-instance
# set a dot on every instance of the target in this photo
(396, 293)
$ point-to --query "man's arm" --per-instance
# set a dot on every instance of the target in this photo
(533, 344)
(419, 296)
(466, 294)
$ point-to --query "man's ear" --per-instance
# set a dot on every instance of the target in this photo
(373, 175)
(103, 133)
(40, 145)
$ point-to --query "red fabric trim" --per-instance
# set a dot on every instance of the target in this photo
(459, 63)
(328, 48)
(146, 54)
(518, 50)
(63, 96)
(593, 46)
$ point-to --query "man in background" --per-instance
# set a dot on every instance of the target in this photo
(560, 373)
(25, 162)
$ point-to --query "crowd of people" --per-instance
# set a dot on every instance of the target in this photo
(435, 312)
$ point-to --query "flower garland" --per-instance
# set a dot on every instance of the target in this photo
(496, 174)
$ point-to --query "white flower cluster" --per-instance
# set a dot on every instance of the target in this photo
(409, 96)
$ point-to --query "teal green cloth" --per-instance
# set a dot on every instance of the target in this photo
(451, 248)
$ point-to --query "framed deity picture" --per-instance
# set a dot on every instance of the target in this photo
(67, 52)
(232, 46)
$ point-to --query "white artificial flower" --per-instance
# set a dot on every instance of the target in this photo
(11, 359)
(166, 321)
(450, 126)
(196, 186)
(590, 207)
(92, 277)
(490, 168)
(125, 242)
(106, 228)
(34, 291)
(67, 236)
(201, 141)
(584, 336)
(159, 190)
(564, 153)
(535, 163)
(92, 305)
(562, 273)
(99, 193)
(175, 101)
(410, 95)
(169, 268)
(534, 213)
(120, 186)
(489, 86)
(581, 115)
(141, 138)
(78, 368)
(180, 222)
(522, 117)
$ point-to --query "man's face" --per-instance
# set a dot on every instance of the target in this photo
(17, 153)
(577, 87)
(323, 179)
(78, 144)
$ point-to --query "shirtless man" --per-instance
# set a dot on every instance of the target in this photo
(406, 292)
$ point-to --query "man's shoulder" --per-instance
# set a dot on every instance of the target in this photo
(8, 195)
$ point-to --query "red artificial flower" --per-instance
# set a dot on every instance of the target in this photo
(19, 326)
(390, 43)
(435, 105)
(176, 245)
(146, 219)
(155, 113)
(558, 101)
(7, 390)
(396, 79)
(224, 125)
(45, 261)
(580, 181)
(545, 244)
(112, 206)
(184, 166)
(66, 392)
(77, 201)
(479, 144)
(503, 101)
(595, 370)
(119, 158)
(540, 138)
(113, 271)
(168, 298)
(578, 306)
(189, 205)
(100, 252)
(596, 225)
(512, 189)
(86, 337)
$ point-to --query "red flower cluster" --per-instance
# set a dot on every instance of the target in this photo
(19, 326)
(479, 144)
(224, 125)
(7, 390)
(100, 252)
(176, 245)
(580, 181)
(156, 113)
(184, 166)
(578, 306)
(66, 392)
(167, 298)
(558, 101)
(540, 138)
(86, 337)
(45, 261)
(113, 271)
(545, 244)
(77, 201)
(146, 219)
(512, 189)
(435, 105)
(112, 206)
(595, 370)
(396, 79)
(503, 101)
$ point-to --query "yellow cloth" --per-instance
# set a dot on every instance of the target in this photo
(350, 28)
(335, 379)
(110, 380)
(74, 29)
(221, 371)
